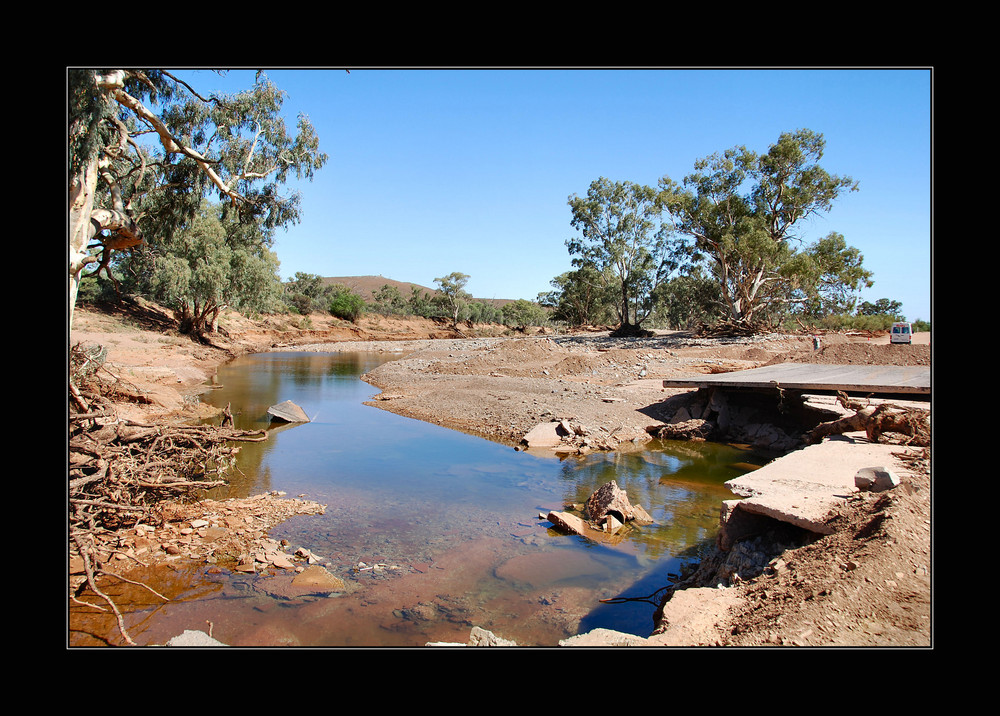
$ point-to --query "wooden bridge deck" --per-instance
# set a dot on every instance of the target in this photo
(884, 379)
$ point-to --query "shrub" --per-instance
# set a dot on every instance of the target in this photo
(302, 303)
(347, 305)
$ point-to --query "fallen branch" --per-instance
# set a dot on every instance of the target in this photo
(909, 423)
(92, 583)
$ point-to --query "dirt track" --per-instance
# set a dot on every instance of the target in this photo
(867, 584)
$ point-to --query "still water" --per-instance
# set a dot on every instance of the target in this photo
(454, 517)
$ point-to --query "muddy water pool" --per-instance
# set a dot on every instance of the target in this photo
(452, 519)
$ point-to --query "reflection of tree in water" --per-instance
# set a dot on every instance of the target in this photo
(680, 484)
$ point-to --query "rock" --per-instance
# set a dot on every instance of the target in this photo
(611, 524)
(604, 637)
(318, 579)
(281, 561)
(288, 412)
(569, 523)
(875, 479)
(542, 435)
(477, 637)
(609, 498)
(641, 516)
(693, 429)
(547, 434)
(194, 638)
(483, 637)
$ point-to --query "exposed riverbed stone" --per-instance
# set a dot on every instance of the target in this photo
(609, 499)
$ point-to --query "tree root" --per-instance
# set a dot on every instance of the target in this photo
(122, 472)
(909, 426)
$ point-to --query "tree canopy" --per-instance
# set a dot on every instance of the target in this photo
(145, 149)
(739, 212)
(203, 270)
(453, 295)
(580, 297)
(623, 239)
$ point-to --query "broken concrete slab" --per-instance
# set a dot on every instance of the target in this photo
(803, 487)
(609, 498)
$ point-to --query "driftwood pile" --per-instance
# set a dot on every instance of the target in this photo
(730, 329)
(122, 472)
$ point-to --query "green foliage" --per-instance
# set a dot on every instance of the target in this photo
(581, 297)
(623, 241)
(453, 295)
(388, 301)
(422, 304)
(847, 322)
(345, 304)
(95, 290)
(882, 306)
(920, 325)
(825, 278)
(163, 150)
(482, 312)
(737, 214)
(300, 303)
(306, 293)
(202, 270)
(521, 313)
(688, 301)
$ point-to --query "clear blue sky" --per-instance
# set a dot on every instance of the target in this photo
(440, 170)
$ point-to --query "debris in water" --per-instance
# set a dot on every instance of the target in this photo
(288, 412)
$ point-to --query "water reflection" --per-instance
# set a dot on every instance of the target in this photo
(456, 513)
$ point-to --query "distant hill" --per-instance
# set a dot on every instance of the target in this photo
(365, 286)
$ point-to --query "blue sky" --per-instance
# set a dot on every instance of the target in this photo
(440, 170)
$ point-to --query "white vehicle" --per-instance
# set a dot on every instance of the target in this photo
(900, 333)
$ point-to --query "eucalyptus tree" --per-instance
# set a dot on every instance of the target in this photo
(827, 276)
(740, 212)
(145, 148)
(688, 300)
(624, 240)
(203, 271)
(520, 314)
(580, 297)
(452, 292)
